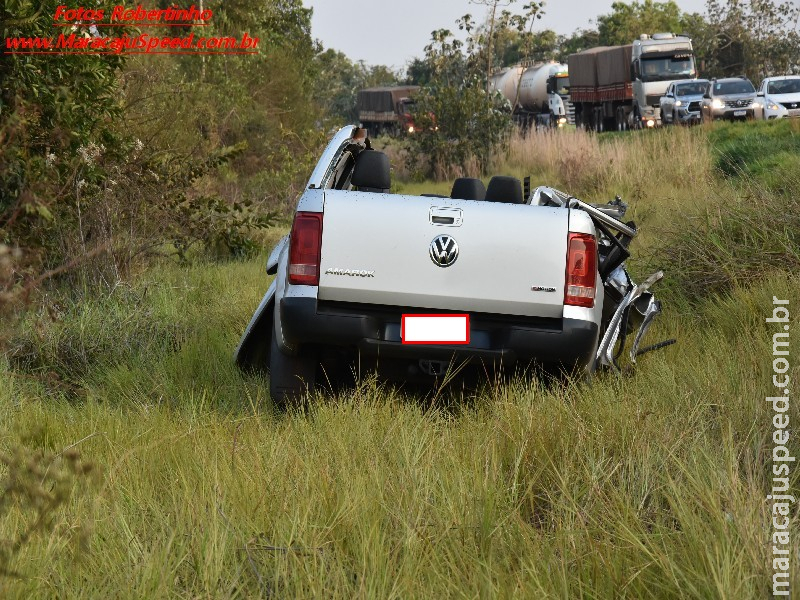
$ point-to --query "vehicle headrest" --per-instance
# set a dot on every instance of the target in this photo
(371, 173)
(468, 188)
(505, 189)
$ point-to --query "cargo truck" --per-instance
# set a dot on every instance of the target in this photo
(620, 87)
(387, 109)
(539, 94)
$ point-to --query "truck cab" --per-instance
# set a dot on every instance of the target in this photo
(657, 61)
(405, 115)
(561, 109)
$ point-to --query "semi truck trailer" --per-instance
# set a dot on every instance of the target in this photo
(387, 109)
(539, 94)
(620, 87)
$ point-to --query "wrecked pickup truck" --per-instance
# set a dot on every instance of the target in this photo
(491, 277)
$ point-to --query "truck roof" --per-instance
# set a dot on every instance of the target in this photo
(614, 65)
(583, 67)
(383, 99)
(602, 65)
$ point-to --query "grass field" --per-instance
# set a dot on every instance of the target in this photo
(647, 485)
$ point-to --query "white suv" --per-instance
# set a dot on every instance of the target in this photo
(780, 97)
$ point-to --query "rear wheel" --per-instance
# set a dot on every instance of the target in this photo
(622, 120)
(289, 376)
(598, 120)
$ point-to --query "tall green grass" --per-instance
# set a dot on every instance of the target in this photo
(635, 487)
(769, 151)
(646, 485)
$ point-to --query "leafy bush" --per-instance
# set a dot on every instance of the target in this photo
(459, 123)
(49, 106)
(458, 126)
(110, 159)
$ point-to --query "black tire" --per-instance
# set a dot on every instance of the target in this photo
(289, 376)
(622, 122)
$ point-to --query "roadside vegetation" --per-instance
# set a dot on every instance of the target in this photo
(178, 478)
(138, 196)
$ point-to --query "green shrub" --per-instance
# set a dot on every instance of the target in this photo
(458, 129)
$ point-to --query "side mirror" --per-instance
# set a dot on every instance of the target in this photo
(706, 96)
(760, 94)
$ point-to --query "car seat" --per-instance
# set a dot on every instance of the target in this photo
(371, 172)
(468, 188)
(505, 189)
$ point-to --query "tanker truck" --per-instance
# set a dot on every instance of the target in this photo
(620, 87)
(539, 94)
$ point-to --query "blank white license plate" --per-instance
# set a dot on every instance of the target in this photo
(739, 113)
(435, 329)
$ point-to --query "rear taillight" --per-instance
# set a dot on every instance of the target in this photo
(581, 270)
(304, 249)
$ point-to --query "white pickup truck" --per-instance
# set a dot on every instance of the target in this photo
(524, 276)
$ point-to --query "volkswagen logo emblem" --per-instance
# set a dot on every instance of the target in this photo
(443, 251)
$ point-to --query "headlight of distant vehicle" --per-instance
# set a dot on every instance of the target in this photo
(678, 103)
(771, 105)
(717, 103)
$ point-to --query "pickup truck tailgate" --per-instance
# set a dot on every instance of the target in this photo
(376, 249)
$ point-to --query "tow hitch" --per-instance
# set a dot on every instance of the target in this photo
(436, 368)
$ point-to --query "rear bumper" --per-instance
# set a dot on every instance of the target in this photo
(375, 330)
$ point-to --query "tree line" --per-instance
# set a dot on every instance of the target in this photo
(106, 160)
(754, 38)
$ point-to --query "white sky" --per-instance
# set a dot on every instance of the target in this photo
(392, 32)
